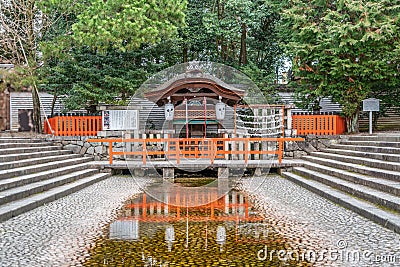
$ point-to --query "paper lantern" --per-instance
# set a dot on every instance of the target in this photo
(220, 111)
(169, 111)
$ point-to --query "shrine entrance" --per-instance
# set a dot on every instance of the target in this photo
(197, 105)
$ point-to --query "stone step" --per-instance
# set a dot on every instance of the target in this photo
(36, 161)
(374, 163)
(384, 185)
(17, 157)
(372, 143)
(20, 150)
(387, 138)
(15, 145)
(371, 155)
(20, 140)
(374, 196)
(40, 176)
(37, 187)
(18, 207)
(372, 212)
(371, 149)
(374, 172)
(4, 174)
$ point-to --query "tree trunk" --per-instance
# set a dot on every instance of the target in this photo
(37, 122)
(243, 48)
(53, 104)
(185, 54)
(352, 122)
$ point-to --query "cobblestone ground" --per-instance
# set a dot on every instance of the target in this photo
(60, 233)
(313, 224)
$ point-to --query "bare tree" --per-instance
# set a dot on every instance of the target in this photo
(22, 27)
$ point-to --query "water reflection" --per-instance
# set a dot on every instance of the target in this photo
(128, 230)
(181, 230)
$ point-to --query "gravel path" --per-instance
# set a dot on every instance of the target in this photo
(60, 233)
(313, 224)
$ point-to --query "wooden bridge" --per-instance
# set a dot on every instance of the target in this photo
(194, 154)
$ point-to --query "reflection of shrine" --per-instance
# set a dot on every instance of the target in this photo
(152, 230)
(176, 213)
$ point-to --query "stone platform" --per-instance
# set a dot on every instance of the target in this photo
(192, 165)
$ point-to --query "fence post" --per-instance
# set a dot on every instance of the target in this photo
(212, 151)
(82, 124)
(335, 126)
(178, 156)
(144, 151)
(111, 152)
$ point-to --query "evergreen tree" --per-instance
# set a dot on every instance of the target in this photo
(339, 48)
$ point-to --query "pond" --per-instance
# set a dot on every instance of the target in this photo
(188, 224)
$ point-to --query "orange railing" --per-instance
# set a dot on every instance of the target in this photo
(318, 124)
(206, 148)
(73, 125)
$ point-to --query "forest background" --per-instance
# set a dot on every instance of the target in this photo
(90, 52)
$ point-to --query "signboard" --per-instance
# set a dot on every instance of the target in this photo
(120, 120)
(371, 104)
(25, 120)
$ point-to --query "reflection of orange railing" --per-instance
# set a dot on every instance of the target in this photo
(318, 124)
(74, 125)
(207, 148)
(216, 210)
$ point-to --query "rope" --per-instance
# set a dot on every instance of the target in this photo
(259, 117)
(44, 112)
(259, 129)
(262, 134)
(259, 122)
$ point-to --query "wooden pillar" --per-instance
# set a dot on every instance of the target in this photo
(166, 203)
(234, 202)
(158, 207)
(240, 148)
(234, 147)
(151, 209)
(241, 207)
(144, 206)
(227, 203)
(226, 146)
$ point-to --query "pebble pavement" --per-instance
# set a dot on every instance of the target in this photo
(61, 232)
(313, 224)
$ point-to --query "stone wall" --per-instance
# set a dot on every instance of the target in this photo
(80, 145)
(312, 143)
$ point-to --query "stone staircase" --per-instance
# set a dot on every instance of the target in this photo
(34, 172)
(361, 174)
